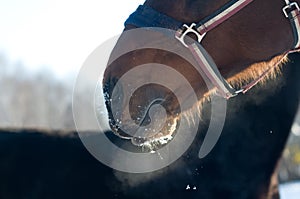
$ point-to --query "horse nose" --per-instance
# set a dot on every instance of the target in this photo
(109, 84)
(142, 115)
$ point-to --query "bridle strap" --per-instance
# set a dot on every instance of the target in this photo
(212, 21)
(206, 64)
(227, 11)
(291, 10)
(146, 16)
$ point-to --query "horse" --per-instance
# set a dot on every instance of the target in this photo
(248, 42)
(243, 162)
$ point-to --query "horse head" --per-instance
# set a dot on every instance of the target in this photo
(242, 46)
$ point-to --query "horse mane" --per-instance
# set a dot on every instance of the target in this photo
(240, 79)
(257, 69)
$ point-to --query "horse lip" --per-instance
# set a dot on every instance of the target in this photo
(139, 141)
(120, 133)
(152, 142)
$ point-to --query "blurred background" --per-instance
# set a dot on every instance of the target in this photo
(43, 44)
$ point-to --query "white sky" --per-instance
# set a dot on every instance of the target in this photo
(59, 34)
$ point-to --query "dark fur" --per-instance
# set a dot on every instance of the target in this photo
(35, 165)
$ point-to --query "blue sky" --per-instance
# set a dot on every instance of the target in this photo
(59, 34)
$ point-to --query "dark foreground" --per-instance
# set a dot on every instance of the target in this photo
(36, 165)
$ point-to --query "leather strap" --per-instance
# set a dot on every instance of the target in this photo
(292, 11)
(146, 16)
(221, 15)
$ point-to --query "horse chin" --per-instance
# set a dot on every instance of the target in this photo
(151, 140)
(159, 139)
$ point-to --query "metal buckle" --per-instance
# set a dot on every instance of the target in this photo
(181, 33)
(289, 6)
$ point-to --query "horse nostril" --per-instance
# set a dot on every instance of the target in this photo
(145, 117)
